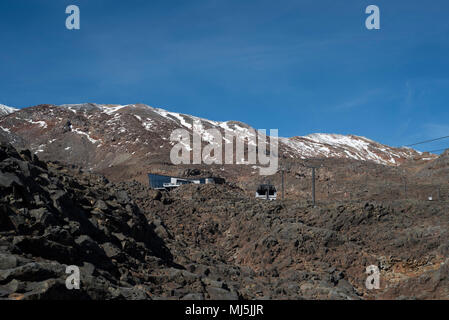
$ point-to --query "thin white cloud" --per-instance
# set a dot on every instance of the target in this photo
(357, 101)
(436, 130)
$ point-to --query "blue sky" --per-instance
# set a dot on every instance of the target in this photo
(300, 66)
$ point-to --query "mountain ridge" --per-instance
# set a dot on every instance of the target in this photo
(120, 138)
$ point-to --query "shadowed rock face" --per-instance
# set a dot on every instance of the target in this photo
(50, 219)
(206, 242)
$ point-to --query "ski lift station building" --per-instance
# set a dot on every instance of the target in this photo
(161, 182)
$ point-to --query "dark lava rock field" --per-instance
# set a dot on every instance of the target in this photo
(208, 241)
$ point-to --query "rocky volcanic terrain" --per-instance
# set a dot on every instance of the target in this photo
(211, 241)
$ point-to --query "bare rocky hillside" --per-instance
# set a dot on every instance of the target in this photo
(74, 190)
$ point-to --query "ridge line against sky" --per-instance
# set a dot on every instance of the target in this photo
(300, 66)
(412, 146)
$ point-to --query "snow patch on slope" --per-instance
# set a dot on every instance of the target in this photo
(5, 110)
(147, 124)
(78, 131)
(112, 109)
(41, 124)
(172, 116)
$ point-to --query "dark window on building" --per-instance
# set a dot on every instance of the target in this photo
(157, 181)
(264, 188)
